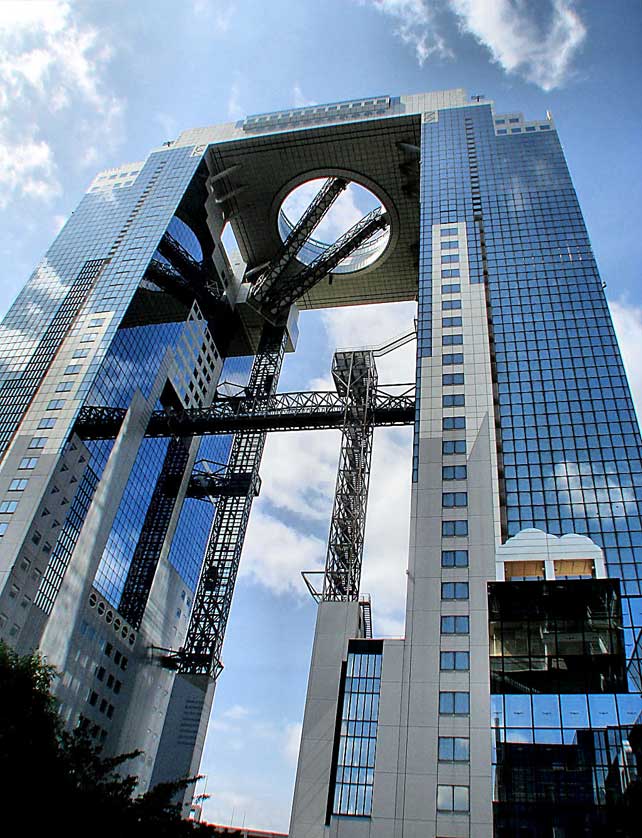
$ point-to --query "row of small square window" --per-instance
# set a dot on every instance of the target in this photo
(528, 129)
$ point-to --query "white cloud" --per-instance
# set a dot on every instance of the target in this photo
(217, 12)
(415, 26)
(509, 29)
(274, 553)
(375, 325)
(301, 471)
(300, 101)
(292, 741)
(627, 320)
(534, 38)
(234, 109)
(51, 66)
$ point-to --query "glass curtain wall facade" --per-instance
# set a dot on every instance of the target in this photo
(92, 327)
(569, 461)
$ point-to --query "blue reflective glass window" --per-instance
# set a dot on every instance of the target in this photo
(454, 558)
(454, 590)
(359, 715)
(454, 749)
(459, 661)
(454, 703)
(450, 499)
(453, 423)
(453, 446)
(454, 528)
(453, 359)
(454, 625)
(453, 472)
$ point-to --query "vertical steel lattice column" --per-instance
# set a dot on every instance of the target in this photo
(355, 377)
(201, 653)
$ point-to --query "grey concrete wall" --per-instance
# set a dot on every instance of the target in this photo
(337, 622)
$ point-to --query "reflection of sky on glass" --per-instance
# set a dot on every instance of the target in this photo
(118, 552)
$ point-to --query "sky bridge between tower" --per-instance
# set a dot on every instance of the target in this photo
(297, 411)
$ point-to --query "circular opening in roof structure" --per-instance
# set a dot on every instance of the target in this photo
(352, 204)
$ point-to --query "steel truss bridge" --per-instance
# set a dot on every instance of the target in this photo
(302, 411)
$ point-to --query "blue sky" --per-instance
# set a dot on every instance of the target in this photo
(84, 86)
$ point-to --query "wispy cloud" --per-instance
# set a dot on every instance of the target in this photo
(218, 13)
(415, 25)
(542, 51)
(275, 553)
(52, 65)
(234, 109)
(536, 39)
(299, 99)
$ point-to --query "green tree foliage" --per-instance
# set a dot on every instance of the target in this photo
(55, 781)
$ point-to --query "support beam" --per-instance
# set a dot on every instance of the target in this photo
(211, 480)
(301, 232)
(277, 301)
(392, 405)
(181, 260)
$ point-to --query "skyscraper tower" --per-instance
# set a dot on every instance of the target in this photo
(512, 704)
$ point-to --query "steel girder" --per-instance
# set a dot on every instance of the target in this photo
(355, 376)
(212, 480)
(201, 653)
(184, 274)
(275, 303)
(317, 410)
(300, 233)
